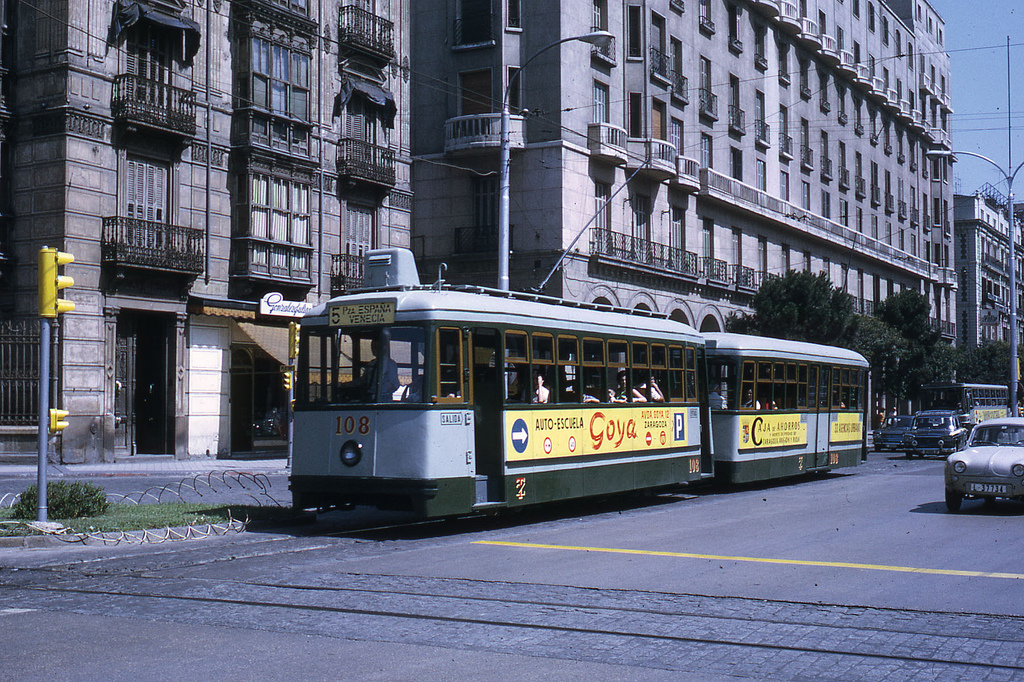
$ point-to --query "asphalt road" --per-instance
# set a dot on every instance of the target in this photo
(853, 576)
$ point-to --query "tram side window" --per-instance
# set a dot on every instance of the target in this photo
(749, 373)
(823, 387)
(659, 374)
(763, 395)
(543, 385)
(406, 350)
(641, 373)
(594, 389)
(801, 388)
(314, 369)
(568, 369)
(620, 390)
(722, 395)
(449, 365)
(812, 387)
(517, 367)
(692, 387)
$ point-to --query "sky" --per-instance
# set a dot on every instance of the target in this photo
(976, 32)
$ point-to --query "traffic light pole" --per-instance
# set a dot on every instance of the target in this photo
(45, 325)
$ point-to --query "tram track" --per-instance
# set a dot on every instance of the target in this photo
(564, 621)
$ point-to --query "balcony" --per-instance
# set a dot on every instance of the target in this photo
(901, 210)
(785, 146)
(830, 49)
(858, 129)
(680, 86)
(890, 204)
(809, 35)
(366, 162)
(893, 99)
(604, 53)
(147, 245)
(945, 328)
(708, 104)
(876, 195)
(262, 259)
(659, 65)
(660, 260)
(878, 87)
(760, 61)
(737, 122)
(843, 118)
(862, 75)
(746, 277)
(736, 46)
(480, 132)
(769, 8)
(826, 168)
(789, 16)
(846, 64)
(714, 269)
(152, 104)
(762, 133)
(677, 5)
(361, 30)
(927, 84)
(257, 128)
(346, 273)
(656, 157)
(844, 178)
(860, 189)
(687, 174)
(705, 25)
(607, 142)
(806, 157)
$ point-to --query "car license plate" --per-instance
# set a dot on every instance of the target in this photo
(989, 488)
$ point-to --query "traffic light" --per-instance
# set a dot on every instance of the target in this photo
(50, 282)
(57, 422)
(286, 378)
(293, 340)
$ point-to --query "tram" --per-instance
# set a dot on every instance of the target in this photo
(783, 408)
(445, 400)
(974, 403)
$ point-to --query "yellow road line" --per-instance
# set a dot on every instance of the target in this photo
(760, 560)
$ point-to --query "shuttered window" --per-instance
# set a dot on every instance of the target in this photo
(146, 191)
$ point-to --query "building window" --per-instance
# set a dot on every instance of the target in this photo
(677, 235)
(602, 207)
(473, 24)
(826, 204)
(784, 185)
(359, 230)
(636, 114)
(675, 134)
(761, 171)
(475, 91)
(278, 215)
(806, 194)
(706, 150)
(736, 163)
(602, 111)
(146, 191)
(634, 46)
(280, 79)
(641, 214)
(600, 19)
(514, 19)
(485, 202)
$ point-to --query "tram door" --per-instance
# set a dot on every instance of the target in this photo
(487, 397)
(819, 457)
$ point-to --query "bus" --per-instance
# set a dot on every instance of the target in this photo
(974, 403)
(446, 400)
(782, 408)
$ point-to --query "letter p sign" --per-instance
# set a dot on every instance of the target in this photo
(680, 426)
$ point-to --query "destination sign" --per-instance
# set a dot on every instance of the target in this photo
(361, 314)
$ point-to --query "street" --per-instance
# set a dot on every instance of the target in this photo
(859, 575)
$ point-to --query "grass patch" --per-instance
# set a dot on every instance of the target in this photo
(128, 517)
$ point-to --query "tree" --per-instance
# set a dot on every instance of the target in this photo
(986, 364)
(926, 360)
(887, 353)
(798, 306)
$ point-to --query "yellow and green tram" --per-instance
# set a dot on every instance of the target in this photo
(782, 408)
(448, 400)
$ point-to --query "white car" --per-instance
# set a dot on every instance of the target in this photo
(991, 466)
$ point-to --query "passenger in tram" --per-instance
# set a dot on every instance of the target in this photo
(621, 392)
(748, 401)
(541, 393)
(590, 394)
(640, 392)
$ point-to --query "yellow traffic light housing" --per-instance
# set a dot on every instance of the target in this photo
(286, 378)
(50, 282)
(293, 340)
(57, 422)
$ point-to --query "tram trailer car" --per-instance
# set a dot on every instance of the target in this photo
(449, 400)
(783, 408)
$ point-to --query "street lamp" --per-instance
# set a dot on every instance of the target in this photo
(1013, 265)
(599, 38)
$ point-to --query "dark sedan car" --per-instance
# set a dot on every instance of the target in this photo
(935, 432)
(892, 434)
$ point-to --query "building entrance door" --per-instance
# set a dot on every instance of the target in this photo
(143, 385)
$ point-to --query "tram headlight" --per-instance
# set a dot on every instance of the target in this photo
(960, 466)
(1018, 469)
(351, 453)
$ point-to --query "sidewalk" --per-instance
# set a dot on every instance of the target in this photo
(143, 465)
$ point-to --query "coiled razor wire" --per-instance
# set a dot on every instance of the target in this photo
(209, 483)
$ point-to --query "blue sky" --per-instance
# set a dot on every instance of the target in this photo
(976, 32)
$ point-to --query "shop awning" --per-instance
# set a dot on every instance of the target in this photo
(273, 340)
(127, 13)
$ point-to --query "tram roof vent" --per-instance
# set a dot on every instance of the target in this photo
(390, 268)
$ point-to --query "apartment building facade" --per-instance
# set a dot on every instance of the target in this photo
(982, 240)
(216, 168)
(715, 144)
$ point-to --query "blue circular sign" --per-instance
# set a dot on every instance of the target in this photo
(520, 436)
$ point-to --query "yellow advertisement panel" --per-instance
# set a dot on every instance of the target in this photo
(357, 314)
(981, 415)
(550, 434)
(772, 430)
(846, 428)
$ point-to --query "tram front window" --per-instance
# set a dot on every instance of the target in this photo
(364, 366)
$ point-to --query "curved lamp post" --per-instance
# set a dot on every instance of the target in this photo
(598, 38)
(1008, 177)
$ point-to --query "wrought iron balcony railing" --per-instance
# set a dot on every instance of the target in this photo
(659, 64)
(708, 103)
(624, 247)
(346, 272)
(264, 259)
(680, 86)
(151, 103)
(844, 177)
(785, 145)
(358, 160)
(762, 132)
(806, 156)
(737, 122)
(714, 269)
(365, 31)
(136, 243)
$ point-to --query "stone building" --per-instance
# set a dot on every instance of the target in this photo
(982, 240)
(716, 143)
(215, 168)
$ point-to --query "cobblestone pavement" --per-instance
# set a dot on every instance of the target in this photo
(639, 629)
